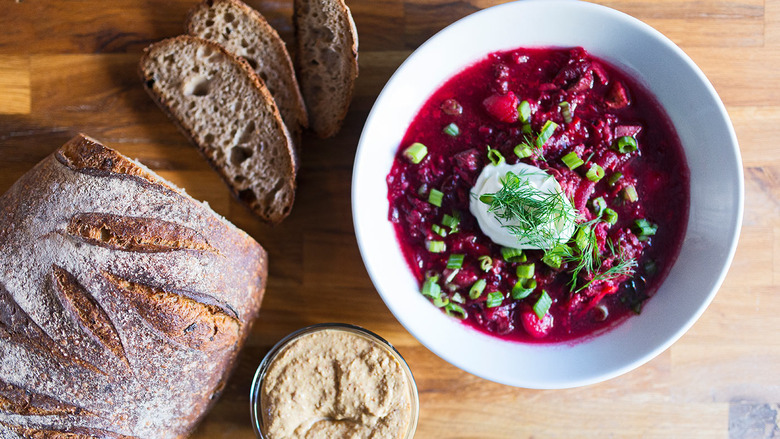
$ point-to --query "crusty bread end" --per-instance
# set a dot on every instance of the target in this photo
(123, 301)
(327, 61)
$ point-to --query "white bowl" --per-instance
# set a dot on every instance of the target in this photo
(716, 185)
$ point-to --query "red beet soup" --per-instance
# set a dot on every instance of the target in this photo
(618, 164)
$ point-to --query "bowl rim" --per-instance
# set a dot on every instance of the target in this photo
(735, 218)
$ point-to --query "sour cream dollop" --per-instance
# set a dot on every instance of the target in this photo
(490, 181)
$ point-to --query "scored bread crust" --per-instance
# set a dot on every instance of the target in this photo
(244, 32)
(123, 301)
(327, 58)
(220, 104)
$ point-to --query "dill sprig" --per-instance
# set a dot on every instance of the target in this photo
(620, 267)
(587, 249)
(529, 209)
(583, 253)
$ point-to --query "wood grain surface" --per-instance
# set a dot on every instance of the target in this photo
(70, 66)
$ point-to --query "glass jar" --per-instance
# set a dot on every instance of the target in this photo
(305, 359)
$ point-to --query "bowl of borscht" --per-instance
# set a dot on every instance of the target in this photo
(547, 194)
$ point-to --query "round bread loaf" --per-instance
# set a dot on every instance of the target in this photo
(123, 301)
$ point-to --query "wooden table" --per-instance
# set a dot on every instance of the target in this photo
(70, 66)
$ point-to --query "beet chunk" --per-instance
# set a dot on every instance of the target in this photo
(502, 107)
(468, 160)
(617, 97)
(533, 325)
(499, 320)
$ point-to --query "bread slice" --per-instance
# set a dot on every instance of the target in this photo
(222, 106)
(327, 61)
(244, 32)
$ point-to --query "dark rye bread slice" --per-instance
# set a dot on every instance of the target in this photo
(123, 301)
(221, 105)
(327, 58)
(244, 32)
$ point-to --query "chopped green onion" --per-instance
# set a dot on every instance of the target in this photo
(610, 216)
(523, 150)
(614, 178)
(527, 128)
(547, 132)
(510, 179)
(452, 130)
(629, 194)
(437, 229)
(435, 197)
(494, 299)
(520, 291)
(572, 160)
(624, 144)
(552, 260)
(565, 111)
(451, 221)
(524, 112)
(457, 298)
(599, 204)
(582, 239)
(495, 156)
(595, 173)
(529, 283)
(645, 229)
(431, 287)
(485, 262)
(436, 246)
(542, 305)
(455, 261)
(476, 290)
(452, 275)
(512, 254)
(441, 300)
(455, 310)
(416, 152)
(525, 271)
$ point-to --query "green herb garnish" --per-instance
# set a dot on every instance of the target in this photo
(495, 156)
(565, 111)
(452, 130)
(620, 267)
(476, 290)
(494, 299)
(416, 152)
(485, 262)
(542, 305)
(530, 210)
(431, 287)
(455, 261)
(435, 197)
(544, 135)
(524, 112)
(455, 310)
